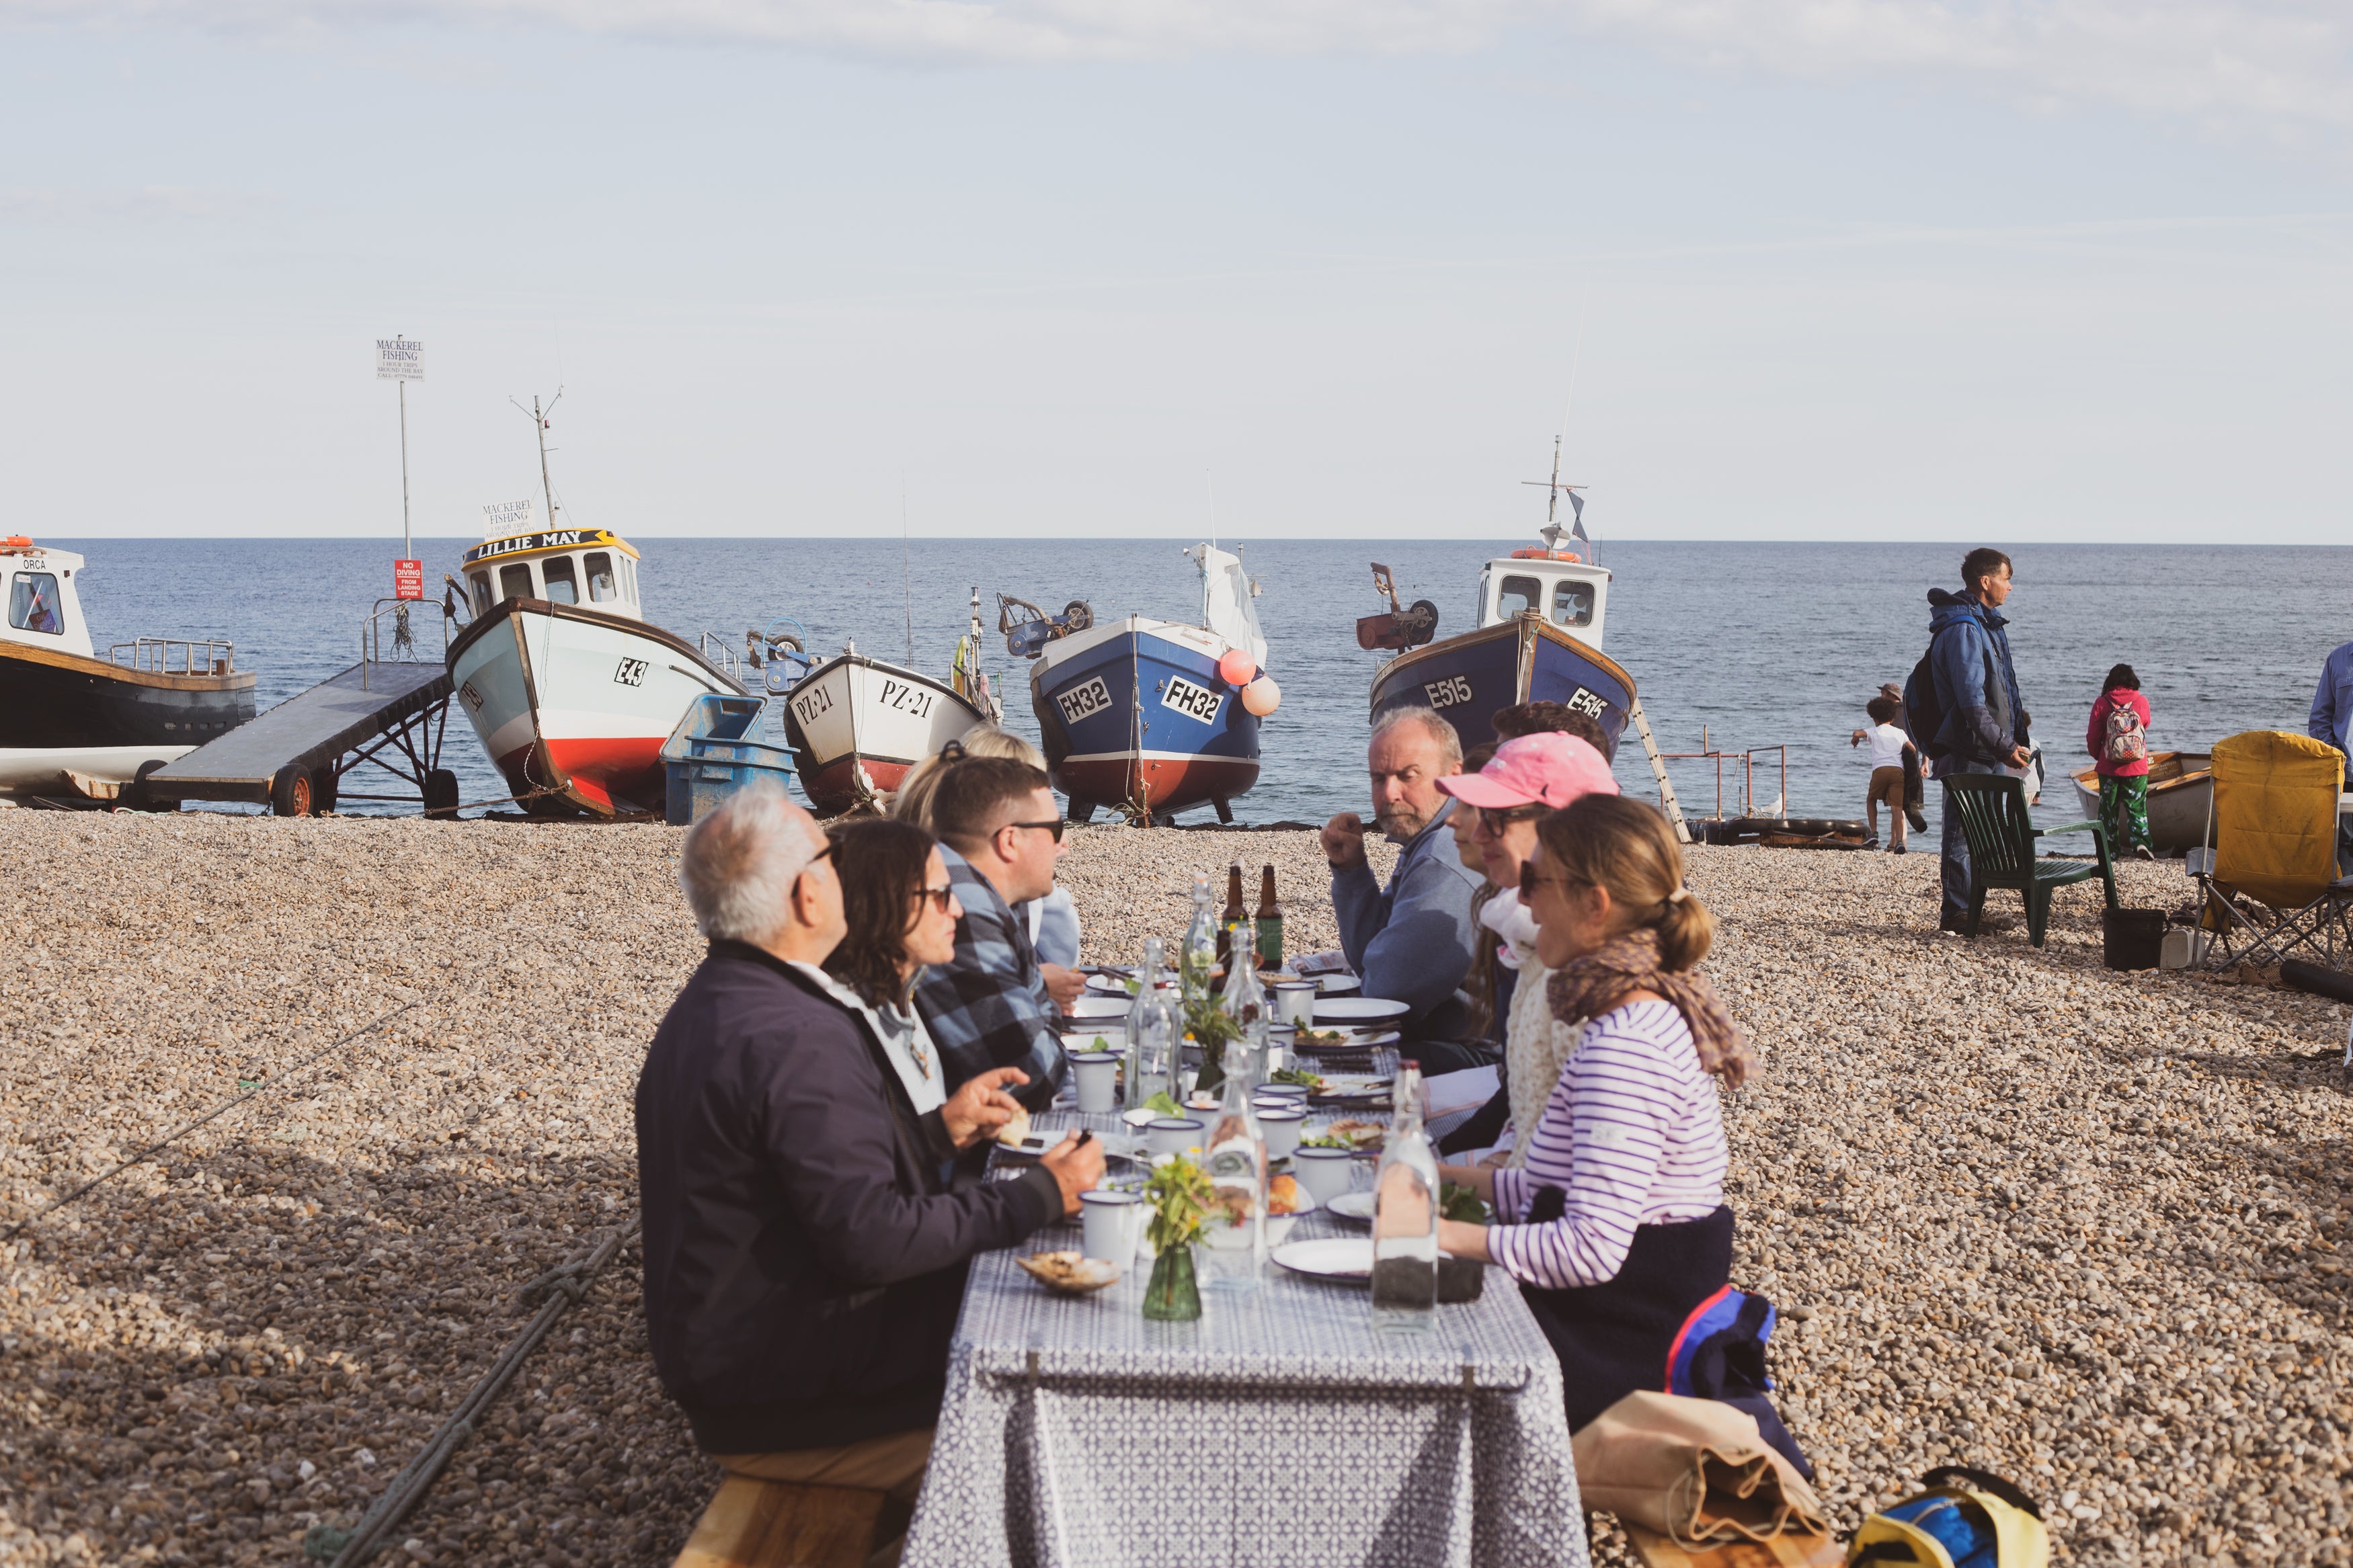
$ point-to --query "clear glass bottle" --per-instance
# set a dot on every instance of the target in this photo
(1404, 1216)
(1156, 1028)
(1235, 1228)
(1245, 1000)
(1199, 953)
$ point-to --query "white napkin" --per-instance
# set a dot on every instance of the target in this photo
(1509, 919)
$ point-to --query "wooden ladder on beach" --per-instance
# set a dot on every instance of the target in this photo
(1659, 771)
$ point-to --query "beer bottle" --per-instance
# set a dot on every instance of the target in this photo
(1234, 923)
(1270, 922)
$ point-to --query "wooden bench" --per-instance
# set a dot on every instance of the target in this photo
(1780, 1552)
(781, 1524)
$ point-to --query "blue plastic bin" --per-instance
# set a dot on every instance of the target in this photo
(707, 757)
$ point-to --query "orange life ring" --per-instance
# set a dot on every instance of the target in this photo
(1545, 555)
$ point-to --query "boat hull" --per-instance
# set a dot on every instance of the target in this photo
(2180, 797)
(576, 701)
(1467, 679)
(62, 714)
(1188, 742)
(856, 725)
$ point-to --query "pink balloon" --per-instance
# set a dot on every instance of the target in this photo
(1236, 667)
(1263, 696)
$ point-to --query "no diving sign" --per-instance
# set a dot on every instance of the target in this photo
(408, 579)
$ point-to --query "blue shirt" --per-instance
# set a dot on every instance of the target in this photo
(2332, 705)
(1411, 941)
(989, 1008)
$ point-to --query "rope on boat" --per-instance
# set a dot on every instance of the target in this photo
(557, 1291)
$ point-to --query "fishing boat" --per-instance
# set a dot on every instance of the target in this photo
(571, 690)
(1145, 715)
(857, 724)
(2181, 798)
(1536, 636)
(75, 724)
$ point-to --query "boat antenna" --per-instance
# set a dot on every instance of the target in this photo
(539, 417)
(907, 563)
(1552, 533)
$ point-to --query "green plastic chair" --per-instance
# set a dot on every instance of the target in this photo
(2001, 848)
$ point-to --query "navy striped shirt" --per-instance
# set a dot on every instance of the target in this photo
(1632, 1135)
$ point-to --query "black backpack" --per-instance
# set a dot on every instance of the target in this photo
(1922, 715)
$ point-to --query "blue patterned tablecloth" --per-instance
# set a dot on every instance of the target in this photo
(1279, 1431)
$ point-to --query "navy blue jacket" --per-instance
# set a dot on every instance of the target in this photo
(804, 1258)
(1977, 688)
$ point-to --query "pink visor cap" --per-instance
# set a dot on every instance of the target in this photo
(1551, 767)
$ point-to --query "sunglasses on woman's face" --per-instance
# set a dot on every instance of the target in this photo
(938, 896)
(1530, 881)
(1493, 820)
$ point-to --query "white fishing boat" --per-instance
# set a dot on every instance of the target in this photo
(857, 724)
(2181, 798)
(570, 690)
(76, 725)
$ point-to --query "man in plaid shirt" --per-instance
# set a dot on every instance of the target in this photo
(1000, 834)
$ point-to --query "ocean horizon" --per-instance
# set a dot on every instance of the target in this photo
(1741, 646)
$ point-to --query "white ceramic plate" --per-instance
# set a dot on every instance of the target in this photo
(1357, 1207)
(1335, 985)
(1094, 1005)
(1346, 1258)
(1357, 1009)
(1107, 984)
(1077, 1040)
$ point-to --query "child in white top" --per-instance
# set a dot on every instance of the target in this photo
(1889, 766)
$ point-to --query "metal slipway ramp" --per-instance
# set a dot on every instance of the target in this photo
(390, 713)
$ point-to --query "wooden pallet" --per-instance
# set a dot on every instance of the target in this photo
(779, 1524)
(1780, 1552)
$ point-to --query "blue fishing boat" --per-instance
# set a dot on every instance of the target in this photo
(1144, 716)
(1536, 638)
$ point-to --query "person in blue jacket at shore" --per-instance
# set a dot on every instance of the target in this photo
(2332, 703)
(1983, 719)
(1411, 941)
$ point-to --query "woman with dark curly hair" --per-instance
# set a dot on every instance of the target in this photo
(901, 914)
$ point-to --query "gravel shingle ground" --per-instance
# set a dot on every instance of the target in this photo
(2076, 1226)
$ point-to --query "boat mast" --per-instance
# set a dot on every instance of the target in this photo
(539, 418)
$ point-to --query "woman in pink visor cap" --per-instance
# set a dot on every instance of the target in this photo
(1528, 777)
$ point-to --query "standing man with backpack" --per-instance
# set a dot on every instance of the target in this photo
(1963, 705)
(2117, 738)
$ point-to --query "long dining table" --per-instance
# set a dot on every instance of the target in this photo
(1279, 1430)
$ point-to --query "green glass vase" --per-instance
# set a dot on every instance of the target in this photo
(1172, 1296)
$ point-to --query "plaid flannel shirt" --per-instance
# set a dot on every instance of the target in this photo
(989, 1008)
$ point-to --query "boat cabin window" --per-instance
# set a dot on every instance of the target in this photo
(1519, 593)
(481, 582)
(600, 577)
(561, 588)
(1572, 603)
(629, 578)
(514, 581)
(33, 604)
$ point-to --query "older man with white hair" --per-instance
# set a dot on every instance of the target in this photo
(1411, 941)
(806, 1230)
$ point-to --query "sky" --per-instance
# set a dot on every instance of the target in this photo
(2065, 270)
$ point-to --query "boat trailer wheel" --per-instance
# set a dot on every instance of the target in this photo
(290, 791)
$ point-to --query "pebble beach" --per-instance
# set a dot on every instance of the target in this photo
(2077, 1227)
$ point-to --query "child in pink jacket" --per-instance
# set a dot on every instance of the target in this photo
(2117, 738)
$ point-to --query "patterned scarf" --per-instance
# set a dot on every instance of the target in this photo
(1590, 986)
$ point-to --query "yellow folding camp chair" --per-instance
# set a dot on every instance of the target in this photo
(2269, 887)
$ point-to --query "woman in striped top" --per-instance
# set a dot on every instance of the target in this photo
(1616, 1225)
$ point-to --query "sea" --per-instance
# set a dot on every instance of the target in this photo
(1762, 652)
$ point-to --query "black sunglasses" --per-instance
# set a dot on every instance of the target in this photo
(1530, 880)
(1054, 827)
(1495, 819)
(938, 896)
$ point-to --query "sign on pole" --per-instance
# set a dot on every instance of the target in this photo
(399, 359)
(408, 579)
(505, 516)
